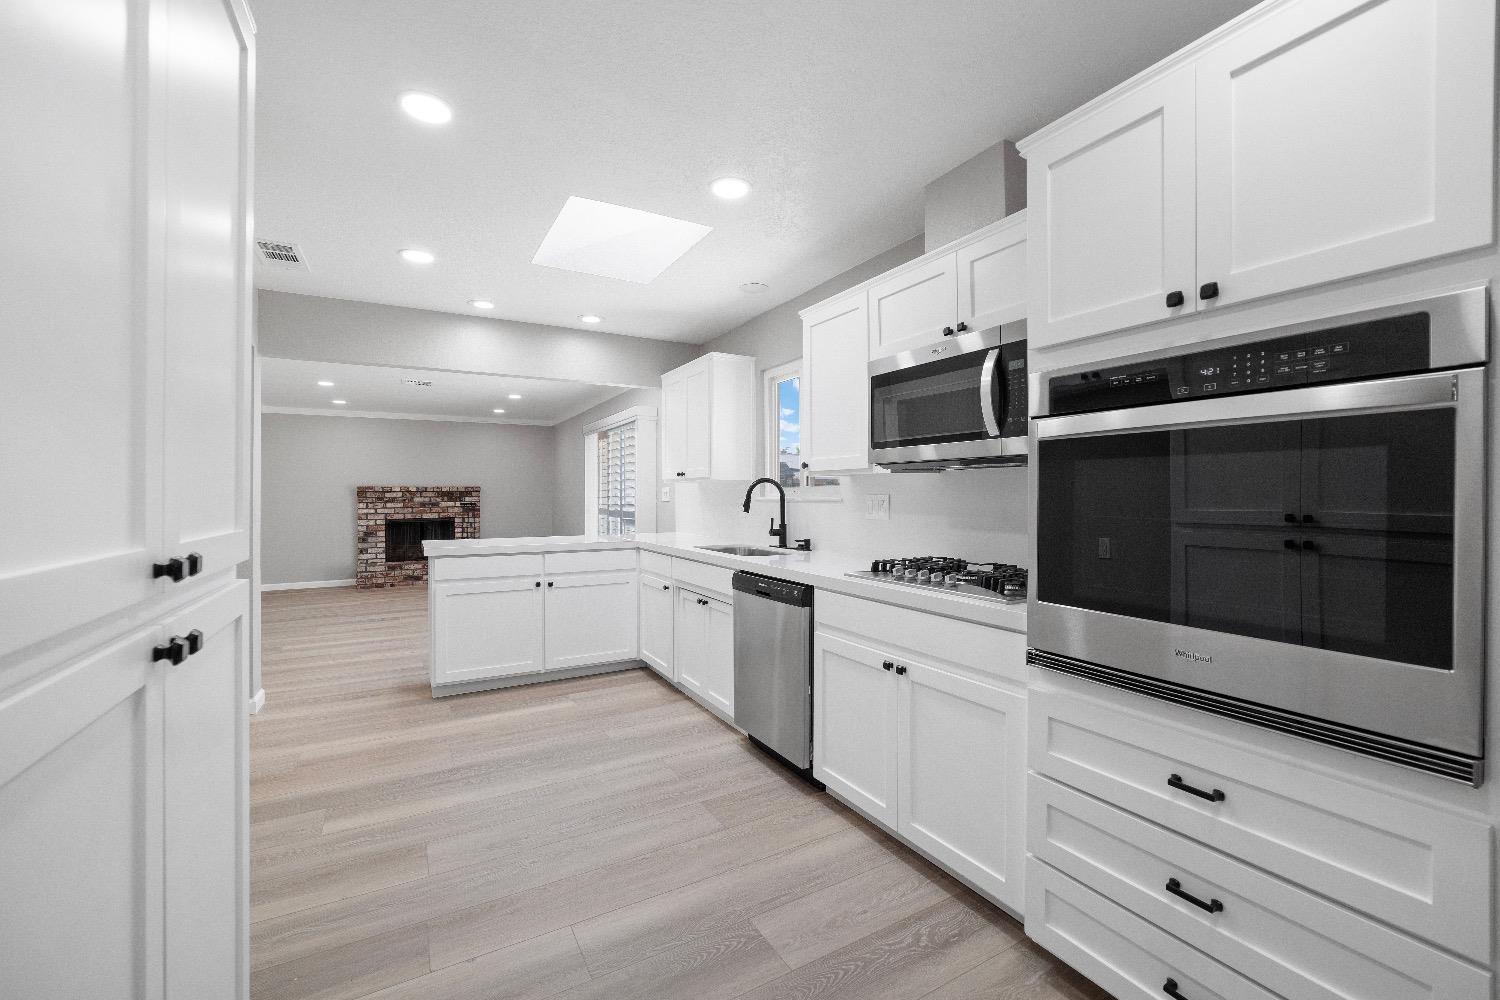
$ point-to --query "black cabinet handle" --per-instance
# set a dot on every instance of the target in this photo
(804, 465)
(1208, 290)
(174, 651)
(1176, 782)
(549, 583)
(194, 642)
(1309, 519)
(1308, 545)
(539, 583)
(666, 586)
(1170, 989)
(681, 474)
(194, 563)
(172, 568)
(900, 669)
(1175, 299)
(1289, 518)
(947, 331)
(1289, 543)
(1175, 888)
(888, 665)
(961, 327)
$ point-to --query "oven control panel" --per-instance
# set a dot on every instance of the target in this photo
(1395, 345)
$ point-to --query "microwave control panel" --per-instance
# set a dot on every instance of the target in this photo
(1396, 345)
(1012, 374)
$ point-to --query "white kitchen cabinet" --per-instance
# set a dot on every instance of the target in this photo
(656, 624)
(591, 618)
(913, 306)
(1307, 142)
(992, 276)
(124, 783)
(484, 629)
(709, 426)
(1340, 137)
(1110, 228)
(836, 385)
(703, 649)
(855, 706)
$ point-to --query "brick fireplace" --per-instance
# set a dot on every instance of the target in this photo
(388, 554)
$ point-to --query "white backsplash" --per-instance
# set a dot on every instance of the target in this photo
(978, 515)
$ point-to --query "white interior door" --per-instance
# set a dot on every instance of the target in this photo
(591, 618)
(81, 903)
(656, 624)
(78, 387)
(205, 788)
(1343, 136)
(963, 773)
(992, 279)
(718, 659)
(205, 305)
(913, 307)
(690, 641)
(485, 628)
(1111, 224)
(854, 725)
(836, 386)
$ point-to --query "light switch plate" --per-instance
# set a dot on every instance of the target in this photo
(666, 494)
(878, 506)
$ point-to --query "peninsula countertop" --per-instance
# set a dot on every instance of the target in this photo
(822, 570)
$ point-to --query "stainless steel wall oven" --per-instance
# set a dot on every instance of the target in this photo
(1289, 531)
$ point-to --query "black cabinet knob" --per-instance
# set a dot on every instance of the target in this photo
(681, 475)
(961, 327)
(1308, 545)
(1175, 299)
(888, 665)
(194, 563)
(549, 583)
(173, 651)
(804, 465)
(1289, 518)
(1289, 543)
(665, 587)
(173, 568)
(947, 331)
(194, 642)
(1208, 290)
(900, 669)
(539, 583)
(1309, 519)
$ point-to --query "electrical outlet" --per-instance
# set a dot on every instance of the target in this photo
(1104, 547)
(878, 506)
(666, 494)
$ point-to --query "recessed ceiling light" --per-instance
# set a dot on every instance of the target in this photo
(754, 287)
(340, 402)
(513, 396)
(499, 411)
(590, 318)
(414, 256)
(426, 108)
(730, 188)
(325, 384)
(612, 241)
(481, 303)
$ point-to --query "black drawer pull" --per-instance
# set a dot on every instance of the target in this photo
(1175, 888)
(1170, 989)
(900, 669)
(1208, 290)
(1176, 782)
(888, 665)
(1174, 299)
(173, 651)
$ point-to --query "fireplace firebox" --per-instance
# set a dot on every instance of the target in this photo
(404, 536)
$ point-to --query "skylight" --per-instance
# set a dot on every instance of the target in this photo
(613, 241)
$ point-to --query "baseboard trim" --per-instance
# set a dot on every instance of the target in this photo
(306, 585)
(258, 702)
(540, 677)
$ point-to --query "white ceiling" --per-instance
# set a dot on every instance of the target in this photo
(293, 385)
(838, 112)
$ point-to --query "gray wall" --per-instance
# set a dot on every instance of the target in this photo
(311, 465)
(984, 188)
(567, 443)
(317, 329)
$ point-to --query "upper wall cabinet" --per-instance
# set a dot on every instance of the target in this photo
(992, 278)
(916, 305)
(836, 395)
(708, 419)
(1310, 141)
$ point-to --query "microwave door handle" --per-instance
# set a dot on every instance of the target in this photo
(987, 392)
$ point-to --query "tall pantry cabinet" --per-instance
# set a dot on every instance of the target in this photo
(126, 409)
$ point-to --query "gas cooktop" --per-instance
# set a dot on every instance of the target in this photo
(987, 581)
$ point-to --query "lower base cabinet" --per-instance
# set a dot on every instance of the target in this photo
(483, 629)
(934, 754)
(591, 618)
(655, 597)
(123, 834)
(703, 648)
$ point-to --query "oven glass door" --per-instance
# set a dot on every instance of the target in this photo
(954, 399)
(1330, 531)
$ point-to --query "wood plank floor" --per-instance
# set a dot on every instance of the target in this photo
(601, 837)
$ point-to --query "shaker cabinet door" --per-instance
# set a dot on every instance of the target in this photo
(656, 624)
(913, 307)
(855, 705)
(836, 386)
(591, 618)
(485, 628)
(1340, 137)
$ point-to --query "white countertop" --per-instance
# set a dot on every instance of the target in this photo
(823, 570)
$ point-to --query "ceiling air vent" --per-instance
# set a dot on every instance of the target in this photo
(420, 383)
(283, 255)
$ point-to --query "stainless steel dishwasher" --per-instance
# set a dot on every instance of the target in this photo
(773, 665)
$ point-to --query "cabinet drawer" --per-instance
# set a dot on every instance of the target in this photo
(1292, 941)
(1422, 869)
(590, 561)
(656, 562)
(1129, 957)
(992, 651)
(702, 576)
(485, 567)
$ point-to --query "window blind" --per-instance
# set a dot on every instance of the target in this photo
(616, 500)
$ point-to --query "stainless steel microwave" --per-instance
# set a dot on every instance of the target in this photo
(957, 403)
(1287, 530)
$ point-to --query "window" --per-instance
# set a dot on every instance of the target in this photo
(615, 506)
(783, 400)
(619, 460)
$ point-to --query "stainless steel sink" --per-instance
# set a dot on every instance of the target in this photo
(739, 550)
